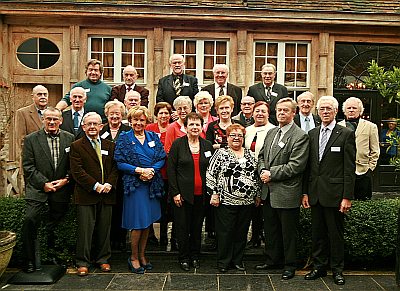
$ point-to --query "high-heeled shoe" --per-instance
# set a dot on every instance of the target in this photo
(139, 270)
(147, 267)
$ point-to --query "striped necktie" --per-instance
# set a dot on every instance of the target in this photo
(324, 141)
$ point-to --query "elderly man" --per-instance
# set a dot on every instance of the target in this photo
(130, 76)
(177, 83)
(281, 164)
(98, 92)
(245, 116)
(72, 118)
(95, 172)
(367, 144)
(46, 165)
(328, 188)
(222, 87)
(305, 119)
(29, 119)
(268, 90)
(132, 99)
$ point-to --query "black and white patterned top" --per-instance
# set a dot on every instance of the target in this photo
(234, 180)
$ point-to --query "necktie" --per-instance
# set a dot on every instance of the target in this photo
(76, 121)
(307, 125)
(268, 94)
(40, 113)
(324, 141)
(128, 88)
(177, 87)
(98, 152)
(221, 90)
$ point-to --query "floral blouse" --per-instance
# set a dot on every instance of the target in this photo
(234, 180)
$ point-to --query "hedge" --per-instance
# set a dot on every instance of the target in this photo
(370, 231)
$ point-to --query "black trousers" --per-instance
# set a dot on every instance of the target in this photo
(280, 228)
(327, 237)
(231, 227)
(188, 224)
(55, 213)
(94, 223)
(363, 186)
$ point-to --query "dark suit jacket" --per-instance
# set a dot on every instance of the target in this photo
(86, 171)
(257, 91)
(39, 168)
(166, 91)
(105, 133)
(287, 165)
(330, 180)
(68, 124)
(232, 90)
(317, 120)
(118, 92)
(181, 167)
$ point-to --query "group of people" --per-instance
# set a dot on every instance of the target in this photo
(237, 161)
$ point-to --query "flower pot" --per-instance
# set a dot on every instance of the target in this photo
(7, 243)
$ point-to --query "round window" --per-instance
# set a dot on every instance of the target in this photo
(38, 53)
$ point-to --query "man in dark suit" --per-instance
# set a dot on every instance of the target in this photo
(95, 172)
(281, 164)
(222, 87)
(46, 166)
(268, 90)
(328, 187)
(177, 83)
(72, 118)
(130, 76)
(305, 119)
(29, 119)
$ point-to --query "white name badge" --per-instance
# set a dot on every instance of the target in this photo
(105, 134)
(274, 94)
(104, 153)
(185, 84)
(87, 90)
(335, 149)
(207, 154)
(152, 144)
(281, 144)
(67, 149)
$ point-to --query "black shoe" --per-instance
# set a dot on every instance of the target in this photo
(29, 267)
(267, 267)
(184, 266)
(239, 267)
(196, 263)
(286, 275)
(315, 274)
(338, 278)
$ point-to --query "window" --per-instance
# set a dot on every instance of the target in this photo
(116, 54)
(201, 56)
(291, 60)
(38, 53)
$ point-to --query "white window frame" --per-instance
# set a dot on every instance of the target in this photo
(200, 55)
(118, 57)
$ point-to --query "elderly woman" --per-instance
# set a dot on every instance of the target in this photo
(115, 111)
(233, 183)
(216, 131)
(140, 156)
(254, 140)
(183, 106)
(162, 112)
(203, 103)
(187, 164)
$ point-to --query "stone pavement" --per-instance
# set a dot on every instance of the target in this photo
(168, 276)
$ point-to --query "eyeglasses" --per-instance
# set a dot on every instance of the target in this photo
(247, 103)
(327, 109)
(184, 108)
(92, 124)
(236, 135)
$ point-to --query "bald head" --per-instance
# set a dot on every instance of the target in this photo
(40, 96)
(132, 98)
(130, 75)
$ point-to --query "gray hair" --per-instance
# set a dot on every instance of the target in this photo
(359, 104)
(203, 95)
(217, 66)
(112, 103)
(89, 114)
(182, 100)
(269, 65)
(293, 104)
(304, 94)
(78, 89)
(329, 99)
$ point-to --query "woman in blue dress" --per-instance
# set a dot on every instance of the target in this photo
(140, 155)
